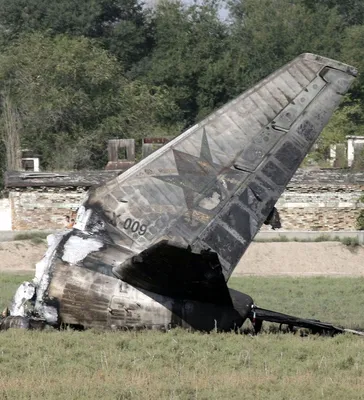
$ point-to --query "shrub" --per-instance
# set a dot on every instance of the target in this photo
(350, 241)
(360, 221)
(35, 237)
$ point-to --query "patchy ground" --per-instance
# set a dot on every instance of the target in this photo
(302, 259)
(21, 255)
(264, 259)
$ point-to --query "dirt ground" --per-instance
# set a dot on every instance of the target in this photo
(265, 259)
(21, 255)
(302, 259)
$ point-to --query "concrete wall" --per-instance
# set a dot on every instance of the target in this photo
(34, 209)
(320, 208)
(5, 215)
(301, 209)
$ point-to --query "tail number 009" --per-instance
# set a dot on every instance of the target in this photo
(135, 226)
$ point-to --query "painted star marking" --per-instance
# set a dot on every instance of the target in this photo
(200, 175)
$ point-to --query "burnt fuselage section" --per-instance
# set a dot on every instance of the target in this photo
(74, 287)
(94, 300)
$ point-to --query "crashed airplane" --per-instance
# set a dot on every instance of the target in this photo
(156, 246)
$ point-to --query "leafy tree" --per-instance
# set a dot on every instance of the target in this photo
(149, 110)
(119, 24)
(190, 43)
(73, 74)
(353, 53)
(267, 33)
(352, 11)
(349, 119)
(71, 96)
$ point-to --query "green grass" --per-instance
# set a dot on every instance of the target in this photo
(8, 284)
(179, 365)
(336, 300)
(35, 237)
(350, 241)
(183, 365)
(347, 241)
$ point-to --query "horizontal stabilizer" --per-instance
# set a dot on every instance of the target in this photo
(314, 325)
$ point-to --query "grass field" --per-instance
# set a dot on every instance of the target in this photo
(336, 300)
(183, 365)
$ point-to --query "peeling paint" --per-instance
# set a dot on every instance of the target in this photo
(77, 248)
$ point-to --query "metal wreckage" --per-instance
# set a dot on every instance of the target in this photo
(155, 247)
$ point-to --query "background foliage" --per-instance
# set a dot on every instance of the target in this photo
(75, 74)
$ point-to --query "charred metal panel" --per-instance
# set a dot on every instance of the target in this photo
(91, 299)
(228, 243)
(94, 300)
(288, 155)
(176, 272)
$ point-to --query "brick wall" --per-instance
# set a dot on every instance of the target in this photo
(43, 208)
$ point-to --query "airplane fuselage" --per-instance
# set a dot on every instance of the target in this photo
(90, 299)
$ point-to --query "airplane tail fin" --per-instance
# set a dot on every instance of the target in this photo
(258, 315)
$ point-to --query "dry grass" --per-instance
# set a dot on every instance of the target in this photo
(178, 365)
(184, 365)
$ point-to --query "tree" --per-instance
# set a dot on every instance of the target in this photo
(120, 25)
(352, 11)
(268, 33)
(10, 133)
(188, 57)
(71, 96)
(349, 119)
(353, 53)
